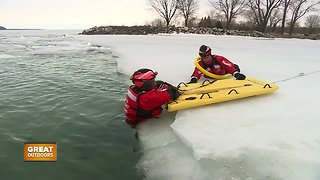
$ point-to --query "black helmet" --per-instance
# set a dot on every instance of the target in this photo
(204, 51)
(144, 79)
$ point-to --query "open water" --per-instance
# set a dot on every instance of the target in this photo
(54, 88)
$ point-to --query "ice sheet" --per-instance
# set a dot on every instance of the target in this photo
(275, 136)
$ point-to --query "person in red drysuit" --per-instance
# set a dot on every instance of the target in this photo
(146, 97)
(215, 64)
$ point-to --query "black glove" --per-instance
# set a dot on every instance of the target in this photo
(239, 76)
(174, 92)
(193, 80)
(160, 84)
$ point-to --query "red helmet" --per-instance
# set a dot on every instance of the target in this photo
(204, 51)
(144, 78)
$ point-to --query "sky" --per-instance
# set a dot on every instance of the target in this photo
(274, 136)
(74, 14)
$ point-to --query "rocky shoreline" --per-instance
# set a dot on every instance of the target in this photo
(144, 30)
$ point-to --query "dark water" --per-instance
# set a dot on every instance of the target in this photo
(58, 89)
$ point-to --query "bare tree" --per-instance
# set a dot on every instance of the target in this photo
(250, 18)
(285, 6)
(262, 10)
(275, 18)
(158, 22)
(312, 22)
(187, 8)
(299, 8)
(165, 8)
(193, 22)
(230, 8)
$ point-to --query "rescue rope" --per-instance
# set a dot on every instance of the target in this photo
(296, 76)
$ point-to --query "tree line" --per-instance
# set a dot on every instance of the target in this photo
(261, 15)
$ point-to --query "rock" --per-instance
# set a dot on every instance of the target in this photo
(143, 30)
(2, 28)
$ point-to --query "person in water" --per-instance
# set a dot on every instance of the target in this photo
(146, 97)
(215, 64)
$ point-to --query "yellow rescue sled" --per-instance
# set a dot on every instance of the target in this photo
(199, 94)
